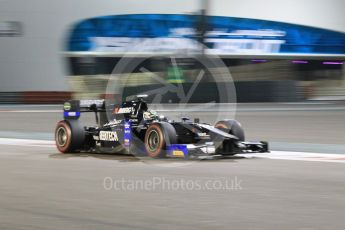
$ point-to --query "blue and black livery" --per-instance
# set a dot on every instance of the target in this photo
(132, 128)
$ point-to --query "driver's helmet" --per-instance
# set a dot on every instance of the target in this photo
(150, 115)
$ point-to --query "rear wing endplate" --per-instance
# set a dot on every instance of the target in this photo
(73, 108)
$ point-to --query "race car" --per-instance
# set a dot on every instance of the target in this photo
(132, 128)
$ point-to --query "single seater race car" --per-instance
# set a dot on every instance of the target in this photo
(134, 129)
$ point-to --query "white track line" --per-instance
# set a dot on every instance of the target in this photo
(298, 156)
(30, 111)
(277, 155)
(27, 142)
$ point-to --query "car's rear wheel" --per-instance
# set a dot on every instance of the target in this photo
(69, 136)
(157, 138)
(232, 127)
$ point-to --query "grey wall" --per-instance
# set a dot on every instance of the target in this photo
(33, 62)
(328, 14)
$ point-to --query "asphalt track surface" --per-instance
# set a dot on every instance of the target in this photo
(42, 189)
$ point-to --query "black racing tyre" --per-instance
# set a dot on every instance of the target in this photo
(158, 136)
(232, 127)
(69, 136)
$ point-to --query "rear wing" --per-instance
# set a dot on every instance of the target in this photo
(73, 108)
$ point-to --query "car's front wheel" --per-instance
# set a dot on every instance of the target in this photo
(158, 137)
(232, 127)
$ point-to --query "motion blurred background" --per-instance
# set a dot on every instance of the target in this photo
(284, 58)
(276, 51)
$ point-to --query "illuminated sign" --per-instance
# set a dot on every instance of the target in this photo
(224, 35)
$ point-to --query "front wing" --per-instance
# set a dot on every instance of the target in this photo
(210, 149)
